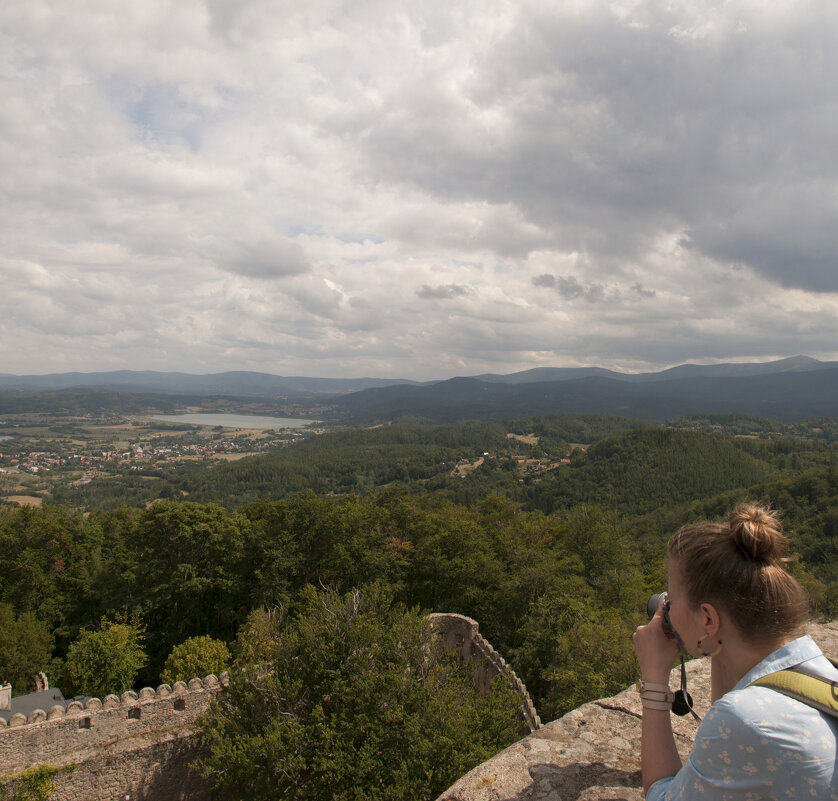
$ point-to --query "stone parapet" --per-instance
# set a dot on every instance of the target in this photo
(148, 732)
(461, 634)
(593, 752)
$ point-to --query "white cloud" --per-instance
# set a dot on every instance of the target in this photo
(419, 190)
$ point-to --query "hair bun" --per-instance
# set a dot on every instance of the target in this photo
(757, 533)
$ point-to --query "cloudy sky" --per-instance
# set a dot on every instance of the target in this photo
(416, 188)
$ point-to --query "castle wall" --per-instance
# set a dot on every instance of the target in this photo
(139, 744)
(593, 752)
(461, 633)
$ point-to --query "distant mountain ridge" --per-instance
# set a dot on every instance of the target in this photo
(795, 388)
(729, 369)
(245, 382)
(237, 382)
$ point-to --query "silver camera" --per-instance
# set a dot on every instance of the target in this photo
(654, 603)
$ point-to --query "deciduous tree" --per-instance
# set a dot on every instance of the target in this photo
(106, 661)
(361, 703)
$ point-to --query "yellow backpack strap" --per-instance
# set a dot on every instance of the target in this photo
(812, 690)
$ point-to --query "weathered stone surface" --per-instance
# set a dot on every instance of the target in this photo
(592, 753)
(462, 634)
(140, 745)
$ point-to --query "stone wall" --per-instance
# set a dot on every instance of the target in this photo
(138, 745)
(593, 752)
(141, 745)
(461, 634)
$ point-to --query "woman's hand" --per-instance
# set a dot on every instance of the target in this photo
(656, 648)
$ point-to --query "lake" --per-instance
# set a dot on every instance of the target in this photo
(233, 420)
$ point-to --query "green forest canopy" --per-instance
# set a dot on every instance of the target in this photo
(555, 565)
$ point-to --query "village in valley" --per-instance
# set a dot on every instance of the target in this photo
(39, 452)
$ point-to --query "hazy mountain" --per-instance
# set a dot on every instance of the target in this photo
(786, 389)
(728, 369)
(240, 383)
(786, 396)
(793, 364)
(541, 374)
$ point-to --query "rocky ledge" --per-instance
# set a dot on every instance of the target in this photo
(593, 752)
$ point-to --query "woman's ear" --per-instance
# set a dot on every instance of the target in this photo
(710, 620)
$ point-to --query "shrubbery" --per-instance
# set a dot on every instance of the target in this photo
(360, 702)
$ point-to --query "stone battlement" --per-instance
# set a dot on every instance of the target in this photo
(141, 744)
(137, 744)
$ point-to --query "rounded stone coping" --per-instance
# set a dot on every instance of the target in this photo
(593, 752)
(130, 698)
(462, 634)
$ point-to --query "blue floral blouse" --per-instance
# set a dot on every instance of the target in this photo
(756, 744)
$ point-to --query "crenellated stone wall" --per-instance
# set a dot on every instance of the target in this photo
(141, 744)
(138, 744)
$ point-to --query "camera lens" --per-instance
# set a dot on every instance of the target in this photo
(654, 603)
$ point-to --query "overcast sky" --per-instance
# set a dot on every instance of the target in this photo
(416, 189)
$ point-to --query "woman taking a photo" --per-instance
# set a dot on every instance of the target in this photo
(730, 598)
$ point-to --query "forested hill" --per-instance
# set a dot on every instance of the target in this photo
(641, 471)
(787, 396)
(549, 531)
(635, 472)
(545, 463)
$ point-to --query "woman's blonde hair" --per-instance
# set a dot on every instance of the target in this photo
(739, 566)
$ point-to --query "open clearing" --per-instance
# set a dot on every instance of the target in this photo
(24, 500)
(527, 439)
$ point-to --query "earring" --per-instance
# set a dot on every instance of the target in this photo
(701, 649)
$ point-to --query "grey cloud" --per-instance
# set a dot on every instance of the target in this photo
(271, 191)
(612, 132)
(639, 289)
(790, 238)
(443, 291)
(267, 258)
(570, 288)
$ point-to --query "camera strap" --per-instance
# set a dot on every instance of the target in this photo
(816, 691)
(682, 704)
